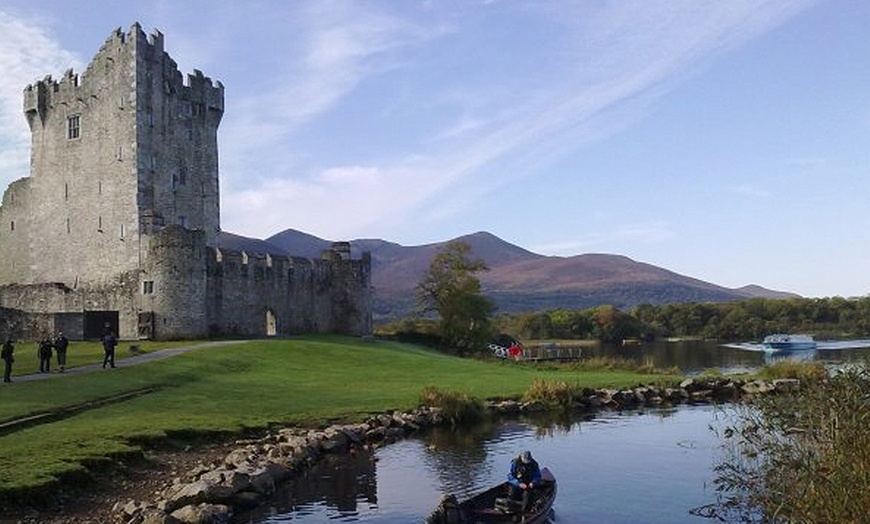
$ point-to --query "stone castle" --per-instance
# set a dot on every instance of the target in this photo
(118, 225)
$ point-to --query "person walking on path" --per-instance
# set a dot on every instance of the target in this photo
(6, 355)
(44, 353)
(61, 343)
(109, 343)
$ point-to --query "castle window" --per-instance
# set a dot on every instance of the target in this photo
(12, 226)
(120, 153)
(182, 221)
(73, 126)
(67, 226)
(66, 191)
(122, 231)
(100, 223)
(148, 287)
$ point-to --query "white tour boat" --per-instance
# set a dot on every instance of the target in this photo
(781, 341)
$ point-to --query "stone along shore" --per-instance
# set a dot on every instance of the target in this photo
(250, 473)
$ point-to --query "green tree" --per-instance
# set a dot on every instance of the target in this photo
(450, 288)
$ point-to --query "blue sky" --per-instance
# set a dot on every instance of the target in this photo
(724, 140)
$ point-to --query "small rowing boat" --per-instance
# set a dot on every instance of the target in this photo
(494, 507)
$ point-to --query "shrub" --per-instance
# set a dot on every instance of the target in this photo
(553, 393)
(621, 364)
(456, 407)
(805, 371)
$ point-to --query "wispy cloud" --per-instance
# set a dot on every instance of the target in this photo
(612, 60)
(652, 232)
(27, 52)
(449, 122)
(332, 48)
(749, 190)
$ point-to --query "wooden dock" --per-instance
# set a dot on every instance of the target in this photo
(545, 353)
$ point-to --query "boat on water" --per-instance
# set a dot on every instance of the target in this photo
(494, 507)
(783, 341)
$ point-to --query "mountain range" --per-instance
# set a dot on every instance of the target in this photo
(518, 280)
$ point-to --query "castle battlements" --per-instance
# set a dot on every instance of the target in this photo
(118, 224)
(76, 92)
(285, 268)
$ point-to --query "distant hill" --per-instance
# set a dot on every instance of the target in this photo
(518, 280)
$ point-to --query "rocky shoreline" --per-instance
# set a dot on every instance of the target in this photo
(251, 472)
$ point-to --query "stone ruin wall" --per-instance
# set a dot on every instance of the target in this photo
(145, 156)
(31, 311)
(177, 121)
(82, 212)
(198, 291)
(128, 214)
(300, 295)
(14, 233)
(174, 262)
(202, 291)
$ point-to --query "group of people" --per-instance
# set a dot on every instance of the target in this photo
(48, 347)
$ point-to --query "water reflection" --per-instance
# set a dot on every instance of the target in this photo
(346, 485)
(696, 356)
(662, 457)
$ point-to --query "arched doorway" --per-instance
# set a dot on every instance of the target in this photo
(271, 324)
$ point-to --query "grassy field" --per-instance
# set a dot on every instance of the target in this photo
(237, 387)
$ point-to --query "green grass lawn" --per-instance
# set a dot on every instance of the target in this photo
(248, 385)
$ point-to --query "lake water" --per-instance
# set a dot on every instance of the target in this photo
(650, 466)
(693, 357)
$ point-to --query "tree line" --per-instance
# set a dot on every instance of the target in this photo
(745, 320)
(450, 291)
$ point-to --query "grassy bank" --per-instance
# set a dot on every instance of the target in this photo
(242, 386)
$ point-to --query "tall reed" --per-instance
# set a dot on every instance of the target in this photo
(801, 457)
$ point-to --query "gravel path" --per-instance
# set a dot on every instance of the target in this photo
(123, 362)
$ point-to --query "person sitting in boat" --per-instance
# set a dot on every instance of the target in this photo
(524, 475)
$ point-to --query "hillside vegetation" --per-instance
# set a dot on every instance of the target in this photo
(519, 280)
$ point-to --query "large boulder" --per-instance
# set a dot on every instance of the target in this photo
(199, 491)
(203, 514)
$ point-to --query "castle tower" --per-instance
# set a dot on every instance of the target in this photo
(121, 152)
(118, 225)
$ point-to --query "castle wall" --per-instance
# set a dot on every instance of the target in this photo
(117, 225)
(172, 284)
(83, 170)
(177, 122)
(51, 307)
(121, 151)
(15, 233)
(260, 295)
